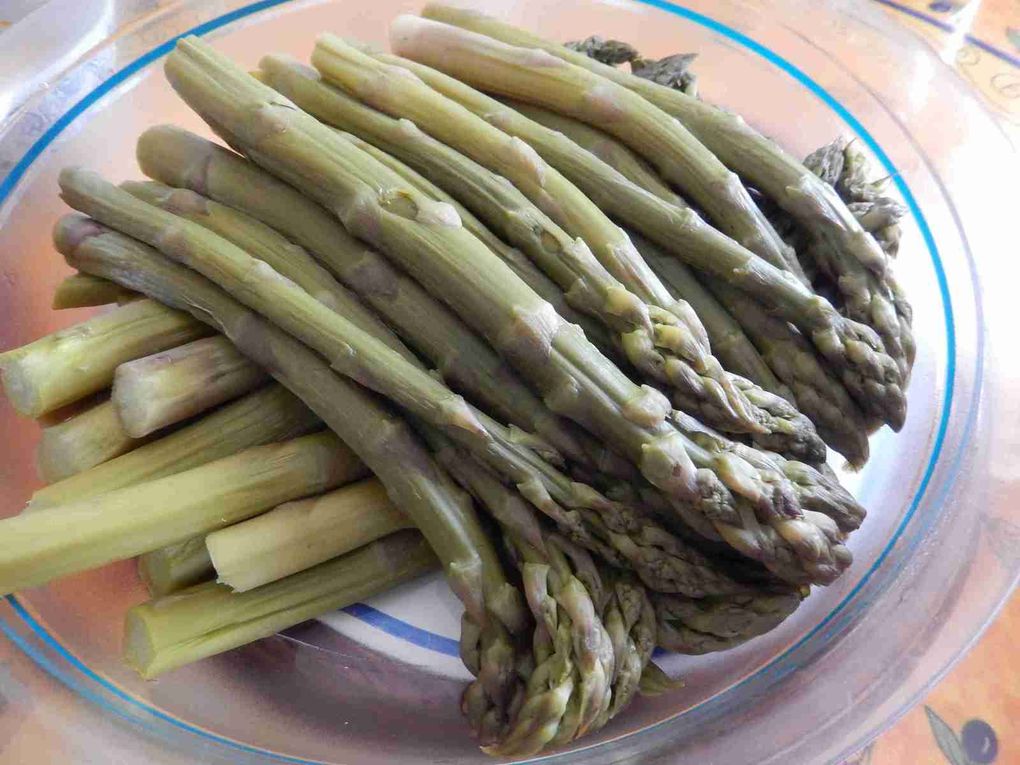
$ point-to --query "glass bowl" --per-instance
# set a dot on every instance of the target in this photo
(376, 683)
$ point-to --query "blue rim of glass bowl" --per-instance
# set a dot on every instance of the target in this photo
(392, 625)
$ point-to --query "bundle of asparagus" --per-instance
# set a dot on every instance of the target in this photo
(642, 412)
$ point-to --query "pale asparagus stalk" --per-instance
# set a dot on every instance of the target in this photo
(84, 291)
(159, 390)
(540, 78)
(167, 633)
(80, 442)
(701, 385)
(75, 362)
(269, 246)
(175, 567)
(494, 609)
(464, 359)
(762, 162)
(48, 544)
(267, 415)
(853, 350)
(420, 231)
(298, 535)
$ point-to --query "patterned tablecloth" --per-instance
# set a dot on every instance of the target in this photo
(973, 715)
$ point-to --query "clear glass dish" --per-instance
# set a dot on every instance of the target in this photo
(936, 558)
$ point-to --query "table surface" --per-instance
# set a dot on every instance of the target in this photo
(972, 717)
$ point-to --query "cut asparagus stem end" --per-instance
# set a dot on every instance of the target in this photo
(203, 621)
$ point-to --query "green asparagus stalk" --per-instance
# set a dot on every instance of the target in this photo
(267, 415)
(48, 544)
(466, 361)
(83, 291)
(351, 185)
(175, 567)
(605, 147)
(763, 163)
(269, 246)
(696, 627)
(816, 488)
(167, 633)
(854, 350)
(72, 363)
(83, 441)
(565, 592)
(729, 341)
(298, 535)
(843, 166)
(159, 390)
(819, 395)
(494, 609)
(540, 78)
(629, 616)
(702, 385)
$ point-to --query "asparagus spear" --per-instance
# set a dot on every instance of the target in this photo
(203, 621)
(816, 488)
(298, 535)
(576, 665)
(82, 291)
(267, 415)
(819, 395)
(83, 441)
(176, 567)
(292, 537)
(265, 244)
(80, 360)
(841, 165)
(702, 386)
(728, 338)
(690, 626)
(540, 78)
(493, 607)
(604, 146)
(763, 163)
(57, 541)
(465, 360)
(854, 350)
(155, 391)
(396, 216)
